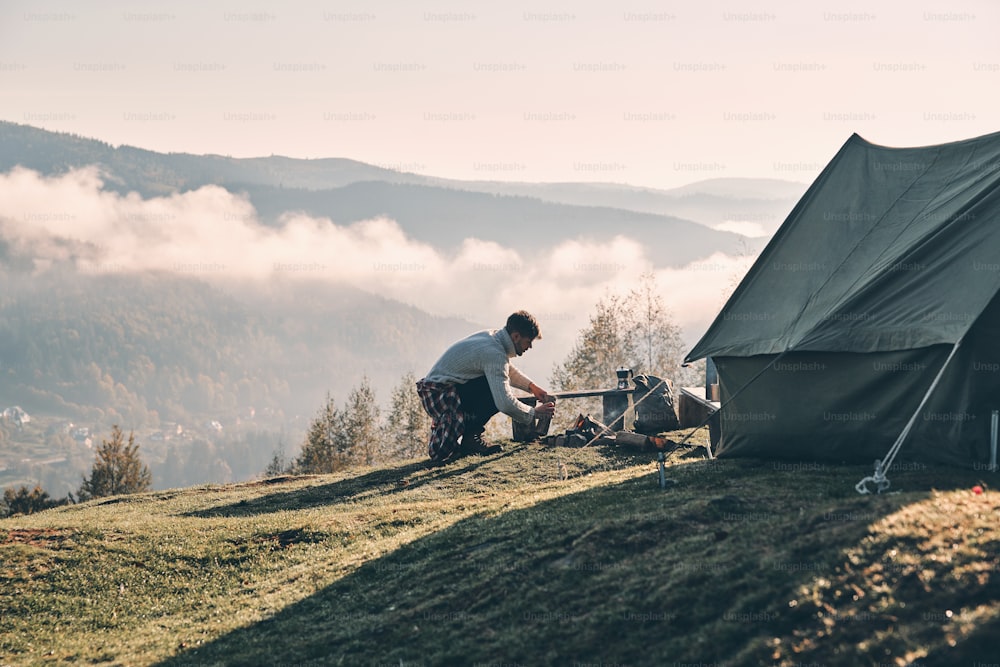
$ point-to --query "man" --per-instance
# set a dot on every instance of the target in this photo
(471, 382)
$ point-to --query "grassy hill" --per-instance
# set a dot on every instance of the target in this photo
(537, 556)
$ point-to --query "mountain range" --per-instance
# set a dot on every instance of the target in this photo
(678, 223)
(178, 347)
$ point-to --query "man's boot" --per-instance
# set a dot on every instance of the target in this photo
(473, 443)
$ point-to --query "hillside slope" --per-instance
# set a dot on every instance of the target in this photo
(154, 351)
(538, 556)
(123, 346)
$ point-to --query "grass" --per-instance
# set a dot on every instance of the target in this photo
(538, 556)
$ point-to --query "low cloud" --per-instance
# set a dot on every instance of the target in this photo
(747, 228)
(217, 236)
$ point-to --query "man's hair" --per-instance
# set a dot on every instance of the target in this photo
(524, 323)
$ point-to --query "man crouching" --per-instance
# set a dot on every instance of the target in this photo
(471, 382)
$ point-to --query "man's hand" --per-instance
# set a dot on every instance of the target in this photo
(540, 394)
(545, 409)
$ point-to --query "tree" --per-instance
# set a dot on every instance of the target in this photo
(636, 331)
(407, 425)
(117, 468)
(360, 425)
(606, 344)
(279, 464)
(25, 501)
(323, 450)
(352, 435)
(659, 344)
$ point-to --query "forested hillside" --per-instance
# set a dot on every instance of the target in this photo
(180, 361)
(134, 349)
(148, 347)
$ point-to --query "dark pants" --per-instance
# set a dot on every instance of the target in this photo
(477, 404)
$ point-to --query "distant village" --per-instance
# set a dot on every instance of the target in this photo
(17, 462)
(84, 435)
(15, 415)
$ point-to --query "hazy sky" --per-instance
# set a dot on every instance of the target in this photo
(648, 93)
(645, 93)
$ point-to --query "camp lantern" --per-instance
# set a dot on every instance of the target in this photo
(623, 377)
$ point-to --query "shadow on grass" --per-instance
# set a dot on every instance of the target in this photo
(382, 481)
(705, 572)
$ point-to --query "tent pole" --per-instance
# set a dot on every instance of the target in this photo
(731, 397)
(883, 465)
(994, 418)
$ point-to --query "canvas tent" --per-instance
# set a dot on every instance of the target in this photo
(875, 305)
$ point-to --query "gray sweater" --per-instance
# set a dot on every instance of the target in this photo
(486, 353)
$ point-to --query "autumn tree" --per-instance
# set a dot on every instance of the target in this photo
(634, 330)
(117, 468)
(604, 345)
(659, 346)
